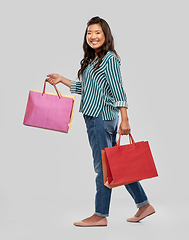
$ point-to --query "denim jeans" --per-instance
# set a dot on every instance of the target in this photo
(102, 134)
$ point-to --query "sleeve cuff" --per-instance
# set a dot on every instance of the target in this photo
(75, 87)
(121, 104)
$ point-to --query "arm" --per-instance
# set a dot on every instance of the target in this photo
(124, 127)
(75, 87)
(114, 78)
(56, 78)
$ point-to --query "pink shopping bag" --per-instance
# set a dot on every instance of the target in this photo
(49, 111)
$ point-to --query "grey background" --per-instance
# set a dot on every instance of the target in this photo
(46, 177)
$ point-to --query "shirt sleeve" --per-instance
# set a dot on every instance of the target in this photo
(113, 75)
(75, 87)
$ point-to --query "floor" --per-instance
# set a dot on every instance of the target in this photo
(41, 218)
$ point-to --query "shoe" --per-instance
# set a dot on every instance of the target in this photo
(149, 211)
(101, 223)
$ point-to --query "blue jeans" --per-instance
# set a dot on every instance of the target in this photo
(102, 134)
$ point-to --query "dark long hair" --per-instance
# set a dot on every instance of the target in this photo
(89, 52)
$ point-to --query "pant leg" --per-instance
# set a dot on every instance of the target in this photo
(137, 192)
(100, 138)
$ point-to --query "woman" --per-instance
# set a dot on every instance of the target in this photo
(102, 97)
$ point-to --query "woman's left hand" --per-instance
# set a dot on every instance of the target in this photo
(124, 128)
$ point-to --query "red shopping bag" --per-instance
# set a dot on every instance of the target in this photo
(128, 163)
(49, 111)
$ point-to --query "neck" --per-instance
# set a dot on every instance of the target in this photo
(97, 51)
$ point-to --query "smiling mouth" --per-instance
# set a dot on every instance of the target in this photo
(94, 42)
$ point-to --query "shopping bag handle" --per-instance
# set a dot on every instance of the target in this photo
(131, 140)
(57, 91)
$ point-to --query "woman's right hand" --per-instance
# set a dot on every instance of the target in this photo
(53, 78)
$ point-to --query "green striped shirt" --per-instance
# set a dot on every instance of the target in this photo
(102, 90)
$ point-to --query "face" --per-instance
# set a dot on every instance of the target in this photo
(95, 36)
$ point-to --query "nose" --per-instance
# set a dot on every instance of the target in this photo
(93, 36)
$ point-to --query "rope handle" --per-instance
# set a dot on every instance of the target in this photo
(131, 140)
(57, 91)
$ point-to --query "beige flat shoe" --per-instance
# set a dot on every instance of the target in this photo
(101, 223)
(149, 211)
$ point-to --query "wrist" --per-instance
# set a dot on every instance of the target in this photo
(124, 119)
(62, 79)
(124, 115)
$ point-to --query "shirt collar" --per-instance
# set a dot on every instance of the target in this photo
(93, 61)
